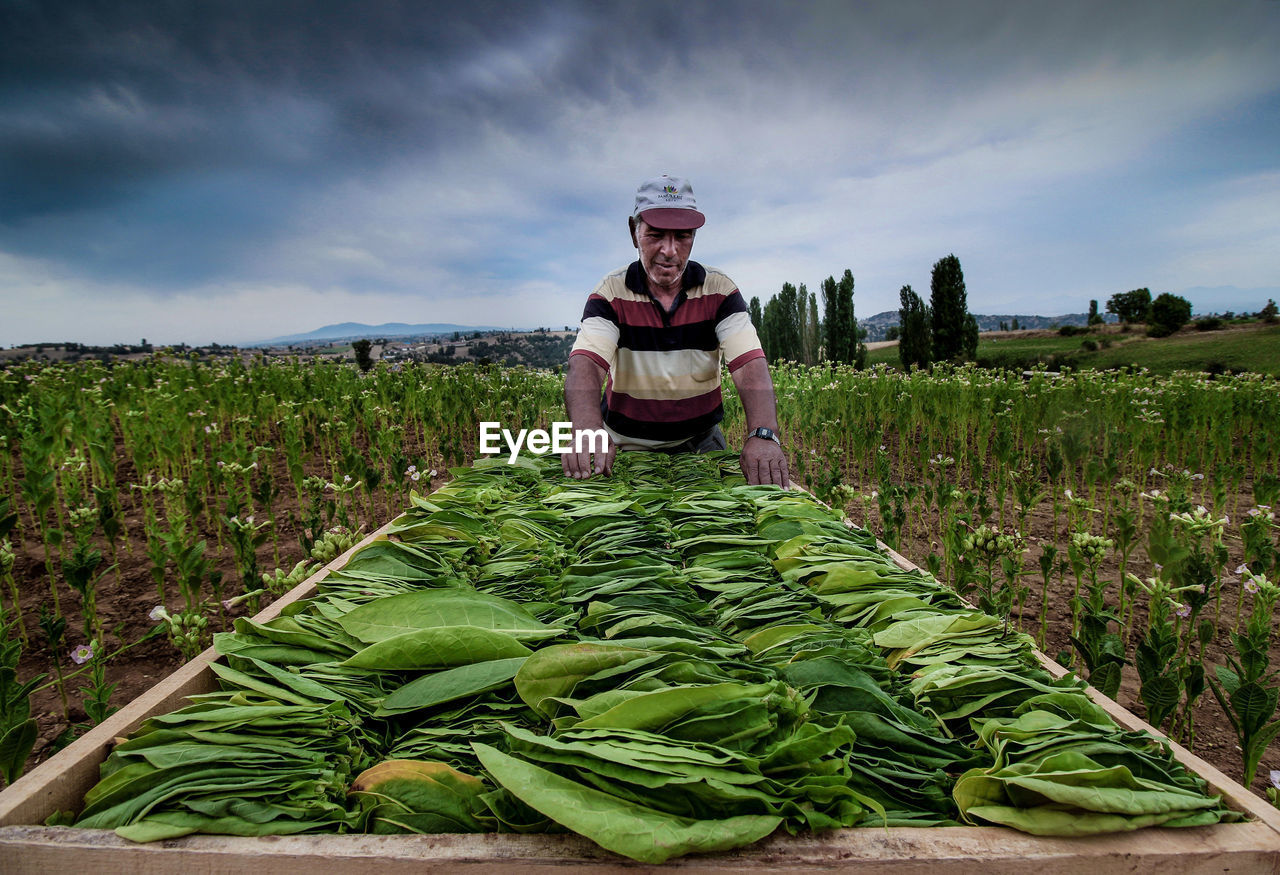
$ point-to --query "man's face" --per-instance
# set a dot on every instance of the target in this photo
(663, 253)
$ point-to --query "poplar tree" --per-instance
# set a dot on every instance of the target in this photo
(813, 333)
(949, 313)
(783, 326)
(840, 327)
(914, 334)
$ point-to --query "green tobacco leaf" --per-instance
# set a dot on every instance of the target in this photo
(1254, 705)
(554, 671)
(1229, 679)
(438, 648)
(418, 796)
(394, 560)
(454, 683)
(1160, 695)
(623, 827)
(1071, 705)
(1052, 822)
(1106, 679)
(428, 608)
(1037, 797)
(654, 710)
(14, 749)
(919, 632)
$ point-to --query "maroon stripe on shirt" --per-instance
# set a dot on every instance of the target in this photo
(656, 410)
(700, 309)
(641, 313)
(595, 357)
(744, 358)
(644, 314)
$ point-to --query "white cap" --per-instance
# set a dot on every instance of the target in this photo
(667, 202)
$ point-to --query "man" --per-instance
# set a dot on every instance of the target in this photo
(657, 332)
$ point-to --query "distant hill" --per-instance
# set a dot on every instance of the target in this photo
(357, 330)
(877, 324)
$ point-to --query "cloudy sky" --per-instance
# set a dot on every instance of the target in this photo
(232, 171)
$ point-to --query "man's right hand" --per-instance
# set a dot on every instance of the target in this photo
(582, 386)
(578, 465)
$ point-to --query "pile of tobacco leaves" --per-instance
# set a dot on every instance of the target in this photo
(667, 661)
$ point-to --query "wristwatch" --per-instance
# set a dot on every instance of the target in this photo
(766, 433)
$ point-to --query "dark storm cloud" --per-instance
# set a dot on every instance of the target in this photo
(114, 116)
(443, 149)
(100, 99)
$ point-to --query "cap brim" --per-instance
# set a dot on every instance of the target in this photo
(673, 219)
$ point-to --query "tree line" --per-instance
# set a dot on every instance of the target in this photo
(944, 330)
(789, 326)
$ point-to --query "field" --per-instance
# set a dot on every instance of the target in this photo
(1122, 520)
(1252, 347)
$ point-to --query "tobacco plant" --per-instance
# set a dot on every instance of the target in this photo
(1246, 690)
(1101, 648)
(17, 726)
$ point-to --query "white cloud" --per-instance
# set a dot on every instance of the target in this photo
(1234, 234)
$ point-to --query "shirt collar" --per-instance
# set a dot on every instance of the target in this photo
(694, 275)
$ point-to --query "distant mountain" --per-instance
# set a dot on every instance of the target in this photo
(357, 330)
(877, 324)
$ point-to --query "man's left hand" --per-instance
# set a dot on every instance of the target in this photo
(764, 462)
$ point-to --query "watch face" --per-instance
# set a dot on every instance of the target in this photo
(763, 432)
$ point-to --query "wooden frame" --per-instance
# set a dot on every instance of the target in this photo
(60, 783)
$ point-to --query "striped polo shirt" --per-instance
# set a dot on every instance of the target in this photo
(664, 367)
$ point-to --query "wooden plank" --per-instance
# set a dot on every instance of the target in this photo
(1241, 848)
(59, 784)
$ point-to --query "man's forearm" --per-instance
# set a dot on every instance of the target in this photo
(582, 385)
(755, 390)
(762, 461)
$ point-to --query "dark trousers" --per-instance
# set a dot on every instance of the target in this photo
(708, 442)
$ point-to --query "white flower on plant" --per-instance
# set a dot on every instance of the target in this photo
(1183, 611)
(158, 613)
(346, 478)
(1275, 778)
(415, 476)
(82, 653)
(431, 473)
(1251, 587)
